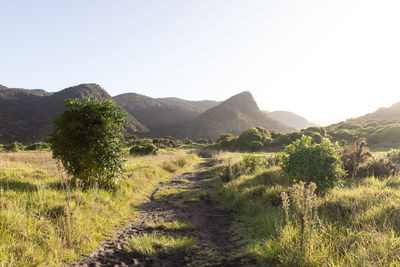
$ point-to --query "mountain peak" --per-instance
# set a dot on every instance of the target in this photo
(243, 101)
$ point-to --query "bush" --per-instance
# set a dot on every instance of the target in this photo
(15, 146)
(232, 172)
(87, 138)
(147, 149)
(353, 156)
(251, 162)
(254, 139)
(226, 141)
(37, 146)
(319, 163)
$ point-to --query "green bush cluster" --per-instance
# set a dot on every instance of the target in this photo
(260, 139)
(141, 150)
(16, 146)
(306, 161)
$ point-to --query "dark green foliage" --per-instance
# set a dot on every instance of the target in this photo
(187, 141)
(87, 139)
(15, 146)
(227, 141)
(254, 139)
(167, 142)
(353, 156)
(147, 149)
(310, 162)
(38, 146)
(232, 172)
(206, 153)
(203, 141)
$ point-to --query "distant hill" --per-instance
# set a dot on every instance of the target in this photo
(27, 115)
(390, 114)
(381, 128)
(291, 119)
(161, 114)
(201, 106)
(234, 115)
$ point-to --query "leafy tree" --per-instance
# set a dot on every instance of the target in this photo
(87, 138)
(306, 161)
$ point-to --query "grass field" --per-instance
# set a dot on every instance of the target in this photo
(43, 222)
(358, 222)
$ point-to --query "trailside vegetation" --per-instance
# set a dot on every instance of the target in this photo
(87, 139)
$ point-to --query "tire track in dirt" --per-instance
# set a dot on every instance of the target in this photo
(182, 198)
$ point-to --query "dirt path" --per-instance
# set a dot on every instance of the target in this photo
(182, 198)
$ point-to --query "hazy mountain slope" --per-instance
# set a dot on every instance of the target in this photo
(159, 115)
(234, 115)
(201, 106)
(27, 115)
(390, 114)
(291, 119)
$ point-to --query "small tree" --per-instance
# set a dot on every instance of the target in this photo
(309, 162)
(87, 138)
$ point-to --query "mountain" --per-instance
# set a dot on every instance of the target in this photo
(27, 115)
(291, 119)
(389, 115)
(161, 114)
(201, 106)
(234, 115)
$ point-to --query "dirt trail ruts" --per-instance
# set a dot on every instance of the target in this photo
(213, 241)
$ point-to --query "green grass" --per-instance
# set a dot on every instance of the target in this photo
(179, 195)
(359, 221)
(152, 244)
(43, 224)
(174, 225)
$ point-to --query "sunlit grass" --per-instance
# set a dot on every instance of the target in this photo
(174, 225)
(359, 221)
(152, 244)
(43, 224)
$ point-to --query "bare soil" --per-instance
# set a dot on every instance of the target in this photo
(214, 245)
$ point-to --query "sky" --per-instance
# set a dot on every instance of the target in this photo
(324, 60)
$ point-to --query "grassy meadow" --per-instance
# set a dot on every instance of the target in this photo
(44, 221)
(357, 223)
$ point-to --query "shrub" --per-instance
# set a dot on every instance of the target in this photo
(318, 163)
(15, 146)
(226, 141)
(232, 172)
(252, 162)
(37, 146)
(353, 156)
(87, 138)
(147, 149)
(254, 139)
(167, 142)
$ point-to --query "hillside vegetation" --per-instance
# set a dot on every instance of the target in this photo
(26, 115)
(284, 224)
(234, 115)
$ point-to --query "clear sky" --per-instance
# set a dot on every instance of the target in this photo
(321, 59)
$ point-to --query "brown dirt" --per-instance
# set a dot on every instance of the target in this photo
(213, 241)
